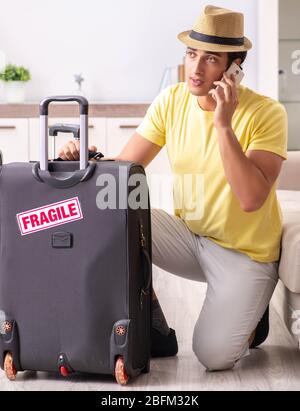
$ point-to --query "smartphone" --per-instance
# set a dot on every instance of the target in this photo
(237, 71)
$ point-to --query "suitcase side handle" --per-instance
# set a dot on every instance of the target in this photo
(65, 128)
(147, 265)
(75, 130)
(44, 106)
(146, 289)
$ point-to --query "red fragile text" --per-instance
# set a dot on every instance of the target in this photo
(48, 216)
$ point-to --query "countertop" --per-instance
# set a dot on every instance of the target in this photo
(96, 109)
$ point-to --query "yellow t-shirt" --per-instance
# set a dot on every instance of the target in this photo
(202, 195)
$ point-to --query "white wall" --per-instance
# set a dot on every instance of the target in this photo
(267, 33)
(120, 46)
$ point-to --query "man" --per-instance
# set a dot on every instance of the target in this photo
(234, 140)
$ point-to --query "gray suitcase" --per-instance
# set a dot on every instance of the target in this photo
(75, 279)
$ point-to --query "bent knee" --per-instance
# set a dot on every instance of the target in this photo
(215, 357)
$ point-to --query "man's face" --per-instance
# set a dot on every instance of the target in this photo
(202, 68)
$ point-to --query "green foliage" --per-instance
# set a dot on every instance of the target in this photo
(14, 73)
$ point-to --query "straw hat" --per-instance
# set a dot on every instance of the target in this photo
(217, 29)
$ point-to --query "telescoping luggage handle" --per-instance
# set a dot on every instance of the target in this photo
(84, 106)
(40, 170)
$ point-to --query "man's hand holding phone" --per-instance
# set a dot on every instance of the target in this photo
(225, 95)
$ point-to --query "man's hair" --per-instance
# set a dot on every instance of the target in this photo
(236, 55)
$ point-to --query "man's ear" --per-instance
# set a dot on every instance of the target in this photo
(238, 61)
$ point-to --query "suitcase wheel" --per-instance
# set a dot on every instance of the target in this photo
(9, 367)
(120, 372)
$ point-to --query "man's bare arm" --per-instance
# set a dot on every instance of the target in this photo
(139, 150)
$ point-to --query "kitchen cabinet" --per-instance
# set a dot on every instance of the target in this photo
(19, 141)
(278, 60)
(159, 175)
(97, 135)
(289, 63)
(14, 135)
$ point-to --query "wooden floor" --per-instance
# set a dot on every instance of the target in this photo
(276, 366)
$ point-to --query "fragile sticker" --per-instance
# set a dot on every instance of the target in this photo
(50, 215)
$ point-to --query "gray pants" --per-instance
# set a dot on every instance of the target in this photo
(238, 288)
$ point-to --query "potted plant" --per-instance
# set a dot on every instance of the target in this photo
(14, 78)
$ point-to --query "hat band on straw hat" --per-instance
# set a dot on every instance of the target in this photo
(227, 41)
